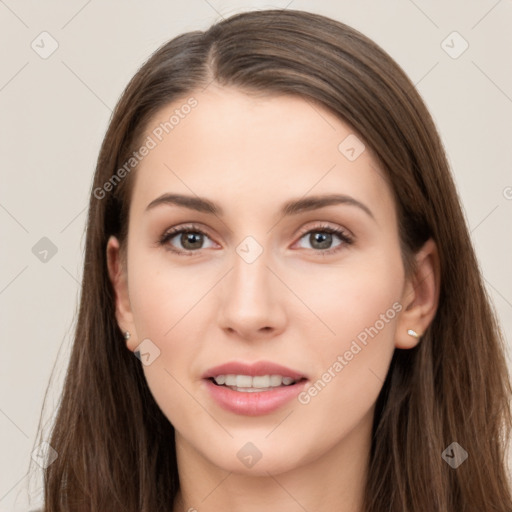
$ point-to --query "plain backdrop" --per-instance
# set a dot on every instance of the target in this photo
(54, 112)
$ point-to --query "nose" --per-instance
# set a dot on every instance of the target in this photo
(251, 300)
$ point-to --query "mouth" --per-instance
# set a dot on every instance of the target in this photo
(254, 384)
(253, 389)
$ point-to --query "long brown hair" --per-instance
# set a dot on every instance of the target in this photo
(116, 448)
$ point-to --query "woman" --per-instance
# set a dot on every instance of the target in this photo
(274, 233)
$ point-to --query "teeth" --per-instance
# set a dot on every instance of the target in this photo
(221, 379)
(230, 380)
(251, 384)
(275, 380)
(243, 381)
(262, 381)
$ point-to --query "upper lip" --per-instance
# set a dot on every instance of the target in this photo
(252, 369)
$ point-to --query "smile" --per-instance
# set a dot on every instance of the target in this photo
(253, 389)
(249, 384)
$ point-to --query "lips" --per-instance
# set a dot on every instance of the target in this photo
(260, 368)
(253, 389)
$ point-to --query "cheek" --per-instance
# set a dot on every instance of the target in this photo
(348, 300)
(166, 303)
(163, 294)
(360, 308)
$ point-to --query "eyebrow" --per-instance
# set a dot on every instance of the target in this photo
(291, 207)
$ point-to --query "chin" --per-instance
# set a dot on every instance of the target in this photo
(258, 457)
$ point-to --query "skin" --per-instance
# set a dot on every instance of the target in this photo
(292, 305)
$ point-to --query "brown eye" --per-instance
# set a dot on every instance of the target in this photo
(191, 240)
(185, 240)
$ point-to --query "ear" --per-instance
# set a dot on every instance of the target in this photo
(420, 296)
(118, 277)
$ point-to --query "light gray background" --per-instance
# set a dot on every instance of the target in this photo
(54, 113)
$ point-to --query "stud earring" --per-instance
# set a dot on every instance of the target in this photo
(413, 333)
(127, 335)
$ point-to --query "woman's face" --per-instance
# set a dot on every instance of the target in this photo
(296, 277)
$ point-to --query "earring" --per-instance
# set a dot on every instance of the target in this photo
(413, 333)
(127, 335)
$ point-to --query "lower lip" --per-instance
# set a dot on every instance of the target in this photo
(253, 403)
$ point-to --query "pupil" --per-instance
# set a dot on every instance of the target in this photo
(189, 239)
(323, 239)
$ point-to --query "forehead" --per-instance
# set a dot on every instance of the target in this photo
(249, 151)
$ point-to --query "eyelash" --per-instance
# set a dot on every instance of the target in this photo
(192, 228)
